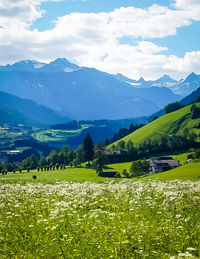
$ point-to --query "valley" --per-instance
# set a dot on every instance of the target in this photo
(82, 181)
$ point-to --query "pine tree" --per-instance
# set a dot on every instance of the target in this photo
(88, 148)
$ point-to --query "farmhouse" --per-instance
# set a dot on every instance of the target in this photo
(162, 164)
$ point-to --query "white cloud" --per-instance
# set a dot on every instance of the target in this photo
(93, 39)
(19, 13)
(154, 22)
(191, 8)
(190, 62)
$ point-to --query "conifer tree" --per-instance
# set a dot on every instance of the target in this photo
(88, 148)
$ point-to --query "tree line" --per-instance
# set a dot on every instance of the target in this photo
(96, 155)
(123, 132)
(163, 144)
(56, 159)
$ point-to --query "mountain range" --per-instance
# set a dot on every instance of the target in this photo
(182, 87)
(86, 93)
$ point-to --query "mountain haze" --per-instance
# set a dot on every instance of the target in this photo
(81, 93)
(191, 97)
(17, 110)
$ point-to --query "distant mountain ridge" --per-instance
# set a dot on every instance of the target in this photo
(86, 93)
(182, 87)
(58, 65)
(164, 81)
(185, 101)
(192, 97)
(16, 110)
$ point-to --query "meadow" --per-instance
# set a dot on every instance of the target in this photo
(185, 172)
(53, 135)
(51, 177)
(56, 135)
(176, 122)
(74, 213)
(100, 220)
(83, 174)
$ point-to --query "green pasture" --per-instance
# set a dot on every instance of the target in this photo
(181, 157)
(69, 174)
(186, 172)
(119, 167)
(55, 135)
(173, 123)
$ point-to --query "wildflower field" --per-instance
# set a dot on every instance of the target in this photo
(100, 220)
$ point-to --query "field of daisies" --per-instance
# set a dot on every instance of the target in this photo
(141, 219)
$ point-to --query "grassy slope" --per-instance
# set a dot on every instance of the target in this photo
(172, 123)
(121, 166)
(182, 157)
(185, 172)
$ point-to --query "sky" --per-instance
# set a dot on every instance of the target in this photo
(137, 38)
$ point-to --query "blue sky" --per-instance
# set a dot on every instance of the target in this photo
(137, 38)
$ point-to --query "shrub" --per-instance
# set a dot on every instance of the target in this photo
(140, 167)
(195, 112)
(171, 107)
(125, 173)
(117, 175)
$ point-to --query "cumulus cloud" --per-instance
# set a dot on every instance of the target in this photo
(190, 62)
(190, 7)
(93, 39)
(19, 13)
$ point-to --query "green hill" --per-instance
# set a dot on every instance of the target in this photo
(170, 124)
(189, 171)
(186, 172)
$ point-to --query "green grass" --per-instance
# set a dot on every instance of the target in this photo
(69, 174)
(54, 135)
(173, 123)
(141, 219)
(186, 172)
(73, 213)
(119, 167)
(181, 157)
